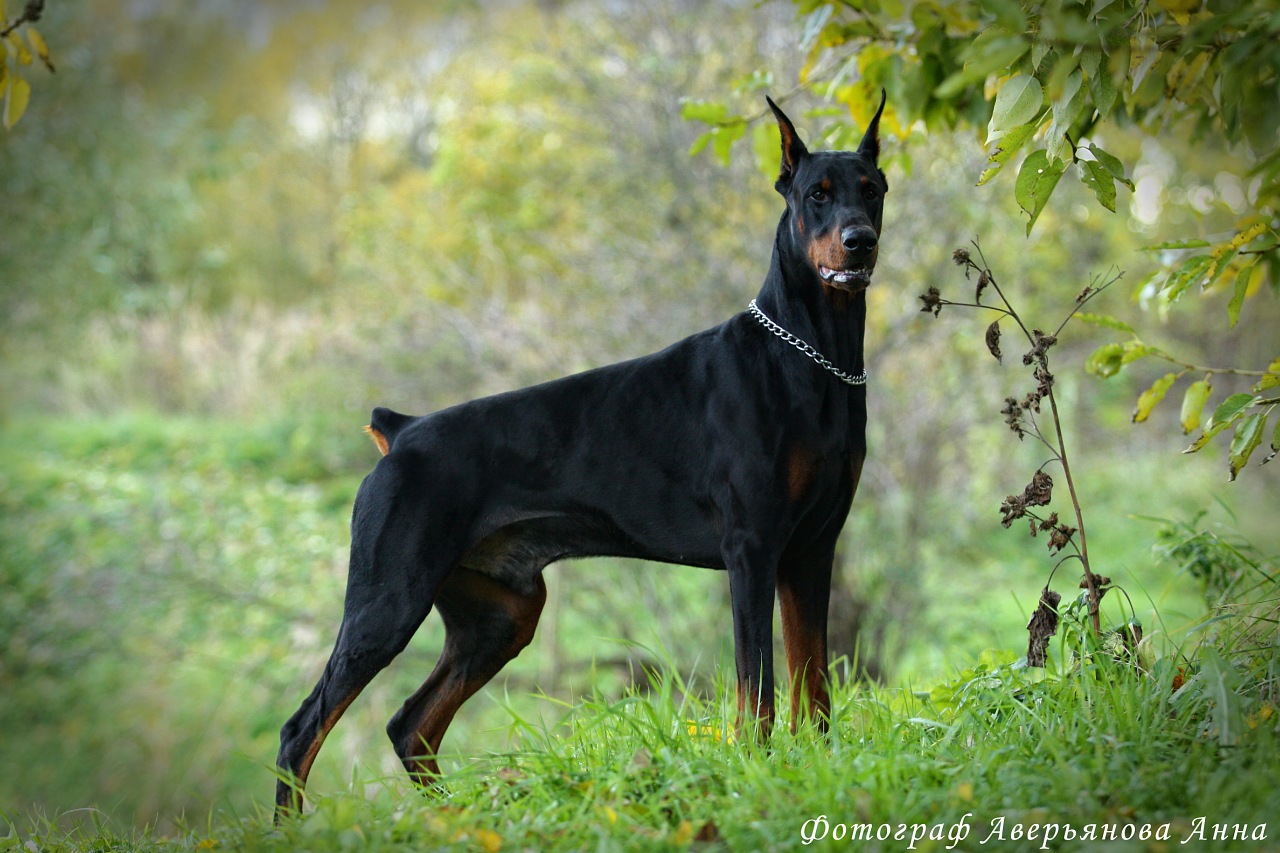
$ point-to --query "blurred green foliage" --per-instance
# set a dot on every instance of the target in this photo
(229, 229)
(1065, 80)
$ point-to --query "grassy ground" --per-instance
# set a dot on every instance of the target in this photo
(168, 592)
(1104, 751)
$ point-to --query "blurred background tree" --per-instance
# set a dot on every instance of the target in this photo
(231, 228)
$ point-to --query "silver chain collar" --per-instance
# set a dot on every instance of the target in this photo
(860, 379)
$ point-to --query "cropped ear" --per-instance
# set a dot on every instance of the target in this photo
(870, 145)
(793, 150)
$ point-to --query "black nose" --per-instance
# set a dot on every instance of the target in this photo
(859, 240)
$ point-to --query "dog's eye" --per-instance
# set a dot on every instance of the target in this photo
(870, 193)
(819, 195)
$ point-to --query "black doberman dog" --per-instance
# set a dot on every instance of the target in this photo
(739, 448)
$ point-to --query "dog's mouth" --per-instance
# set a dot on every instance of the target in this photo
(853, 278)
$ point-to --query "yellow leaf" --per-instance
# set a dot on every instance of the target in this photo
(488, 839)
(1152, 396)
(39, 46)
(16, 96)
(684, 833)
(24, 55)
(1240, 239)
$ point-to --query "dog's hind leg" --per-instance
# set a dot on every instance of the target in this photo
(487, 623)
(394, 574)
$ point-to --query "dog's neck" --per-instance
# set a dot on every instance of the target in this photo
(833, 321)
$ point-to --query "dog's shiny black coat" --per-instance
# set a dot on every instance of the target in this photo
(730, 449)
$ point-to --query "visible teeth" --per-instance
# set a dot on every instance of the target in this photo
(844, 276)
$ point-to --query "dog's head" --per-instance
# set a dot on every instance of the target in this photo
(836, 200)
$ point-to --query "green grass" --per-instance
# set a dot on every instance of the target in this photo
(1102, 746)
(168, 592)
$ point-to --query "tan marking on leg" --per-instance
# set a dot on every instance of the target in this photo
(467, 592)
(327, 726)
(801, 468)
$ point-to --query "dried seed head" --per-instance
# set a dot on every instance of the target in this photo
(961, 257)
(932, 301)
(1045, 378)
(1013, 508)
(1039, 491)
(1039, 347)
(1013, 416)
(1060, 537)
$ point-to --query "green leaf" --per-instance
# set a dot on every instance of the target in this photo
(1231, 410)
(1149, 398)
(764, 144)
(1243, 277)
(1221, 261)
(1011, 141)
(1066, 110)
(1106, 321)
(722, 139)
(1247, 438)
(1039, 50)
(1177, 244)
(1189, 272)
(1271, 379)
(1019, 100)
(701, 142)
(993, 50)
(1106, 360)
(707, 112)
(1096, 177)
(1205, 438)
(1134, 350)
(1193, 404)
(1036, 180)
(1102, 88)
(1090, 60)
(1275, 444)
(1009, 14)
(1112, 164)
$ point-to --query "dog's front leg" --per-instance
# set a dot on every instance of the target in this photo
(752, 580)
(804, 595)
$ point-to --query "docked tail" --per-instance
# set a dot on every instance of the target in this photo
(384, 426)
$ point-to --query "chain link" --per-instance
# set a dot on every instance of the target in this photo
(860, 379)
